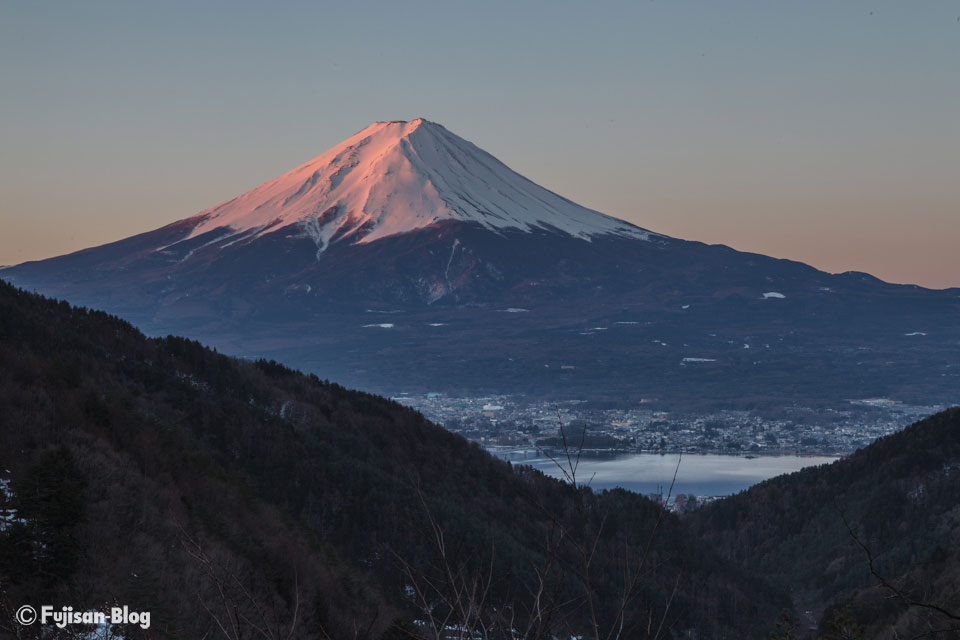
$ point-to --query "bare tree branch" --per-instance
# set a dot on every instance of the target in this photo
(234, 597)
(895, 592)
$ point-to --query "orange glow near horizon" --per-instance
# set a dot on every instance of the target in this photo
(821, 132)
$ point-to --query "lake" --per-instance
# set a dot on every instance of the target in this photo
(699, 474)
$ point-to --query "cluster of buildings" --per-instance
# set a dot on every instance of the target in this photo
(510, 421)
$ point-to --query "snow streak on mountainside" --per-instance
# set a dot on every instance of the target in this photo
(394, 177)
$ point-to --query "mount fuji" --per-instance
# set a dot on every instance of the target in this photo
(396, 177)
(408, 259)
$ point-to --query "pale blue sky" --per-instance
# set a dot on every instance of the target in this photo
(820, 131)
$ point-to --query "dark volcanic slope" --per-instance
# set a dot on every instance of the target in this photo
(132, 463)
(901, 497)
(461, 309)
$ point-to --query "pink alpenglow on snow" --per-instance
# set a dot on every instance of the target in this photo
(394, 177)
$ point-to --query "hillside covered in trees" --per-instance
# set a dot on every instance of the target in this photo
(872, 540)
(237, 499)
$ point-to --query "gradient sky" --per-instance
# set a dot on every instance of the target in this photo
(827, 132)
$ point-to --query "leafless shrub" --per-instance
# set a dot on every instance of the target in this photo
(454, 592)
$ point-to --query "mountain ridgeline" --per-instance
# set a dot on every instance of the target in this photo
(815, 532)
(159, 474)
(407, 259)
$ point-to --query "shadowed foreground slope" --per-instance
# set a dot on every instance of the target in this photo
(899, 498)
(211, 491)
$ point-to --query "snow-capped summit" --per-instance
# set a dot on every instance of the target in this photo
(399, 176)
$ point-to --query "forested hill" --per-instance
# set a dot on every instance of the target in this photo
(899, 497)
(238, 499)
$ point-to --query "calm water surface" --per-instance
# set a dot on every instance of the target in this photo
(699, 474)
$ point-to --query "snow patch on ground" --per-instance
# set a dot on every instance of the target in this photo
(446, 272)
(220, 237)
(8, 515)
(244, 236)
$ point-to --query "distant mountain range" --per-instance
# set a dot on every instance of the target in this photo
(408, 259)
